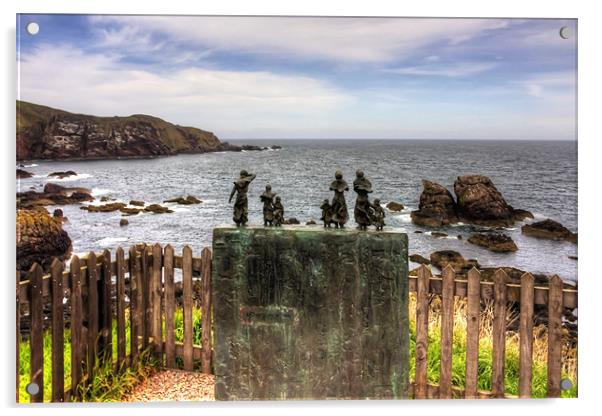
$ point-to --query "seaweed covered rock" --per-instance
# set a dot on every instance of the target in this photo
(53, 194)
(437, 206)
(479, 202)
(417, 258)
(62, 175)
(394, 206)
(499, 243)
(442, 258)
(189, 200)
(158, 209)
(40, 238)
(549, 229)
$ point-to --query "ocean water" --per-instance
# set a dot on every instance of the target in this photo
(538, 176)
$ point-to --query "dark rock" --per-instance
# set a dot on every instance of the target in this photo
(460, 237)
(438, 234)
(291, 221)
(436, 208)
(22, 174)
(499, 243)
(573, 257)
(113, 206)
(131, 211)
(40, 238)
(189, 200)
(123, 222)
(418, 232)
(104, 199)
(310, 222)
(479, 202)
(549, 229)
(394, 206)
(158, 209)
(62, 175)
(417, 258)
(137, 203)
(57, 213)
(442, 258)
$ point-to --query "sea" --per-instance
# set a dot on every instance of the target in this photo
(539, 176)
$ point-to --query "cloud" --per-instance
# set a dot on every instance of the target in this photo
(455, 70)
(364, 40)
(66, 77)
(559, 85)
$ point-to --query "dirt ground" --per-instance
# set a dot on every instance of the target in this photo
(174, 385)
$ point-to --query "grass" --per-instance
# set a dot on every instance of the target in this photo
(539, 382)
(110, 386)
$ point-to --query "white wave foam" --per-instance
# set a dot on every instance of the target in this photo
(70, 178)
(108, 241)
(33, 165)
(100, 191)
(179, 209)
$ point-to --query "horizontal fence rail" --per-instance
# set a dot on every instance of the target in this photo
(99, 297)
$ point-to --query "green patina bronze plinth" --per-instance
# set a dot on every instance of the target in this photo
(310, 313)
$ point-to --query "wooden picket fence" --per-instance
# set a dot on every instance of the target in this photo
(93, 292)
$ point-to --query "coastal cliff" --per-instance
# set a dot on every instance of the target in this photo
(48, 133)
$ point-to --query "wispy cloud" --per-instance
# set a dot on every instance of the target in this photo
(453, 70)
(336, 39)
(99, 84)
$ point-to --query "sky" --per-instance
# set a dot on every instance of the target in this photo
(310, 77)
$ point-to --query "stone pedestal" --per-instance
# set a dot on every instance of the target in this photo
(310, 313)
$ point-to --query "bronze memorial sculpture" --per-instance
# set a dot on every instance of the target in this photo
(339, 206)
(379, 215)
(363, 212)
(278, 212)
(241, 187)
(268, 206)
(326, 213)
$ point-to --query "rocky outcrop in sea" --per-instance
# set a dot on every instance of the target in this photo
(477, 202)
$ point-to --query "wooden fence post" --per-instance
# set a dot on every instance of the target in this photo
(499, 333)
(105, 308)
(526, 335)
(76, 325)
(135, 294)
(18, 339)
(92, 284)
(169, 296)
(555, 305)
(206, 316)
(472, 332)
(120, 280)
(187, 312)
(58, 357)
(422, 310)
(156, 302)
(447, 331)
(145, 300)
(36, 336)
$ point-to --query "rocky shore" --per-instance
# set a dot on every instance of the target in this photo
(48, 133)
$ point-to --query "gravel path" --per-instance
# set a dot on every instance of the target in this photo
(174, 385)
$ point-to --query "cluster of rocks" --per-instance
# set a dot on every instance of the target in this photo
(189, 200)
(53, 194)
(40, 238)
(477, 202)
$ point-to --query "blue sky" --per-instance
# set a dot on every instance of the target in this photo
(293, 77)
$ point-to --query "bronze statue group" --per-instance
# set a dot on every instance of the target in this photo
(366, 213)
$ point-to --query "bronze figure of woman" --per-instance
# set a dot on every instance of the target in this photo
(339, 206)
(363, 211)
(241, 205)
(268, 206)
